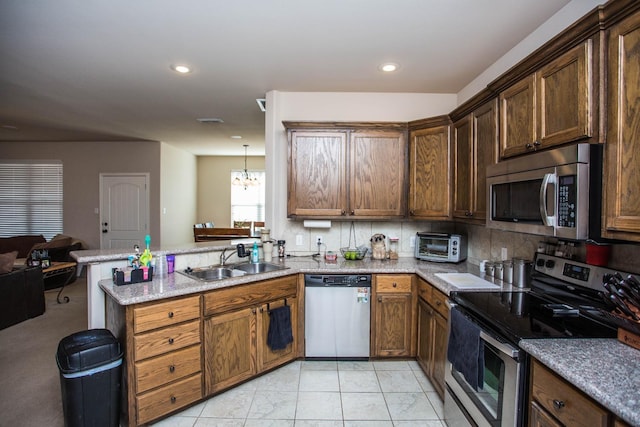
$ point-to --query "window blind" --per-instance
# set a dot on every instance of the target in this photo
(31, 198)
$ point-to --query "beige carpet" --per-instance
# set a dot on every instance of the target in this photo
(29, 379)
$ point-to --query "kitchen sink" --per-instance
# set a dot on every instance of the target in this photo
(209, 274)
(261, 267)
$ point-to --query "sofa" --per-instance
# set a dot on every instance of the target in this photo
(21, 295)
(58, 249)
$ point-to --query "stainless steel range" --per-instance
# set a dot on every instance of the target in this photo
(566, 299)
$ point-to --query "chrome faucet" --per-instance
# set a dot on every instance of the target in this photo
(239, 250)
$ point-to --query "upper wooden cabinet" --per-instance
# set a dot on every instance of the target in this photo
(429, 169)
(346, 170)
(475, 146)
(550, 107)
(621, 185)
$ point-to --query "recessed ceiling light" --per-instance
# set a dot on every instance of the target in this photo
(388, 67)
(236, 137)
(182, 69)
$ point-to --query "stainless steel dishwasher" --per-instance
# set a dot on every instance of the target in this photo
(337, 316)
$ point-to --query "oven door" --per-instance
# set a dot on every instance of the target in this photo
(498, 401)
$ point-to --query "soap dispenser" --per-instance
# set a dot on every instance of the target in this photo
(255, 255)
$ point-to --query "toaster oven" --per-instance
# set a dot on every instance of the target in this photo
(441, 247)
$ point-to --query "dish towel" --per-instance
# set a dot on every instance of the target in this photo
(465, 350)
(279, 335)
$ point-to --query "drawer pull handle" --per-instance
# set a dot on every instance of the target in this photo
(172, 369)
(173, 399)
(395, 285)
(171, 315)
(558, 404)
(379, 299)
(170, 340)
(438, 303)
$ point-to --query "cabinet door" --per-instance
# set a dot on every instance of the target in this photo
(429, 173)
(485, 134)
(518, 118)
(564, 97)
(229, 349)
(424, 349)
(439, 360)
(377, 164)
(317, 174)
(268, 358)
(393, 325)
(622, 151)
(462, 168)
(538, 417)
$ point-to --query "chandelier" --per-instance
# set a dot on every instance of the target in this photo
(245, 179)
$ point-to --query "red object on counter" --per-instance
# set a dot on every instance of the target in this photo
(598, 254)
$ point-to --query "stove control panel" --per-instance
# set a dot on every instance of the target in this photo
(572, 271)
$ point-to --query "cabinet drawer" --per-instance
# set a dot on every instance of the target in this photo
(155, 372)
(165, 340)
(239, 297)
(392, 283)
(158, 315)
(565, 402)
(438, 301)
(424, 290)
(167, 399)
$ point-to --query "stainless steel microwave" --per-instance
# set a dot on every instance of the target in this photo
(441, 247)
(546, 193)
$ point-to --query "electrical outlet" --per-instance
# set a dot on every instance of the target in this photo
(503, 254)
(299, 240)
(319, 240)
(412, 242)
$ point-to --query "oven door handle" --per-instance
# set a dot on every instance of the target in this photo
(505, 348)
(547, 220)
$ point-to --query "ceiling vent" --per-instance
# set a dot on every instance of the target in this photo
(210, 120)
(262, 103)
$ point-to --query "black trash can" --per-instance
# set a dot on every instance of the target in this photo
(90, 364)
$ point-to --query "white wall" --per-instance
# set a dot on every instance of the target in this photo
(297, 106)
(569, 14)
(178, 186)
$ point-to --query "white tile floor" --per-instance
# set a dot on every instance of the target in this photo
(318, 394)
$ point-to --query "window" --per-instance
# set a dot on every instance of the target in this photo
(247, 203)
(30, 198)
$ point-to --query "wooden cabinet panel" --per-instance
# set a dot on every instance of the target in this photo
(165, 340)
(233, 298)
(317, 174)
(268, 358)
(158, 315)
(348, 170)
(393, 330)
(517, 118)
(393, 283)
(430, 173)
(621, 184)
(564, 402)
(432, 335)
(564, 97)
(377, 173)
(167, 399)
(157, 371)
(229, 349)
(485, 133)
(538, 417)
(550, 107)
(462, 167)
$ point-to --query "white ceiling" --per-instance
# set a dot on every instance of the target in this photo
(99, 70)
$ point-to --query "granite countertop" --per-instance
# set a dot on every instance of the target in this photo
(176, 284)
(605, 369)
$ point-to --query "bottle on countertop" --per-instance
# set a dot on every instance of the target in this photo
(145, 258)
(255, 255)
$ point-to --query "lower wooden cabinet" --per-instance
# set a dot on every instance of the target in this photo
(393, 327)
(163, 362)
(556, 403)
(432, 334)
(235, 340)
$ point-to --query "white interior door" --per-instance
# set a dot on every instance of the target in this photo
(124, 210)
